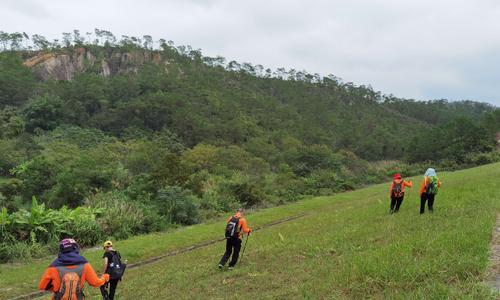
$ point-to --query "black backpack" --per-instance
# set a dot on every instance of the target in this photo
(115, 267)
(232, 228)
(397, 189)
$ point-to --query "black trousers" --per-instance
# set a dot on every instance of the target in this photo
(233, 245)
(112, 288)
(430, 202)
(396, 202)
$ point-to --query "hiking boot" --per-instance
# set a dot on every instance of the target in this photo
(221, 267)
(230, 268)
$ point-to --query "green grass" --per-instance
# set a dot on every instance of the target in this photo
(347, 247)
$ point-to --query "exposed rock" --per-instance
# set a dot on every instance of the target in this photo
(64, 66)
(105, 68)
(38, 59)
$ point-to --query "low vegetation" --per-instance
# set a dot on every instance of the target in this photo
(346, 247)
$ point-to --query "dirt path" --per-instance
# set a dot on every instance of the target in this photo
(493, 273)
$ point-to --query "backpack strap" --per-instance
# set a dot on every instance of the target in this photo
(63, 270)
(116, 257)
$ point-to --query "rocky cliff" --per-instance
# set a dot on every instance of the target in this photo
(64, 66)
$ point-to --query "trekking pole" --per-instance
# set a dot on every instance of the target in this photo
(244, 247)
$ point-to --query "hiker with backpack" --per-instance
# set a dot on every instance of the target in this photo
(114, 267)
(235, 226)
(67, 274)
(428, 190)
(397, 191)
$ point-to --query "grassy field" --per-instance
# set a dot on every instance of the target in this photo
(346, 247)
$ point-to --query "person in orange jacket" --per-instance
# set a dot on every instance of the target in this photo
(235, 226)
(397, 192)
(428, 190)
(67, 274)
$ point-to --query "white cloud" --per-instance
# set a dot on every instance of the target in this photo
(418, 49)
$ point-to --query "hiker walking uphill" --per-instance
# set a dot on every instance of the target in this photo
(66, 276)
(397, 191)
(234, 228)
(428, 190)
(114, 267)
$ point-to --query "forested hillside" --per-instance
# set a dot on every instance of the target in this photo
(170, 136)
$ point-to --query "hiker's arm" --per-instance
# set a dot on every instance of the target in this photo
(92, 278)
(47, 283)
(105, 266)
(390, 188)
(439, 183)
(244, 226)
(422, 186)
(408, 183)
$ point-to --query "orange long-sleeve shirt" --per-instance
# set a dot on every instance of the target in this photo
(242, 224)
(405, 183)
(424, 184)
(88, 275)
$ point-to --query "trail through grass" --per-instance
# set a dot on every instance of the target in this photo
(347, 247)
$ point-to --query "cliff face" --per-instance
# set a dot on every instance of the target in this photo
(64, 66)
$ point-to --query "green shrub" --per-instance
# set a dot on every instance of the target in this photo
(83, 227)
(11, 155)
(10, 187)
(246, 190)
(43, 112)
(30, 231)
(178, 205)
(22, 251)
(120, 217)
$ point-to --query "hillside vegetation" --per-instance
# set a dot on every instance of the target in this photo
(347, 246)
(173, 137)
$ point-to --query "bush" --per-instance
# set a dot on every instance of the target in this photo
(10, 187)
(83, 227)
(212, 204)
(120, 217)
(31, 230)
(326, 182)
(43, 112)
(178, 205)
(22, 251)
(11, 155)
(246, 190)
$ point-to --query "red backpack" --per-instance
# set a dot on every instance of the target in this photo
(397, 189)
(70, 283)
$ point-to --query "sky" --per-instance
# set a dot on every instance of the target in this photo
(419, 49)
